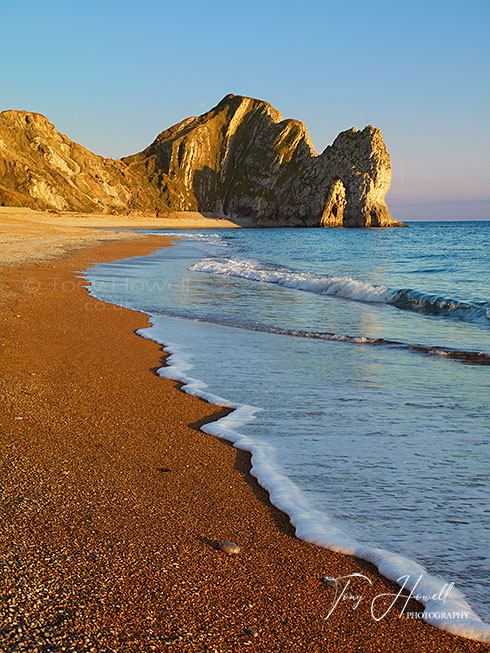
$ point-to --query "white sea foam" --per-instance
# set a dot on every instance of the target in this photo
(313, 526)
(363, 291)
(208, 242)
(323, 285)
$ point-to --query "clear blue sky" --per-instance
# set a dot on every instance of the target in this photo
(112, 75)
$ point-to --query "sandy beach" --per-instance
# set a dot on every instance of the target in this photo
(27, 235)
(113, 500)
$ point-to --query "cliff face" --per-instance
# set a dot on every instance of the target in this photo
(239, 159)
(41, 168)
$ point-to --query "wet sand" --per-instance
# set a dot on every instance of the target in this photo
(113, 500)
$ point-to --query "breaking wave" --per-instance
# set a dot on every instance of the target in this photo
(348, 288)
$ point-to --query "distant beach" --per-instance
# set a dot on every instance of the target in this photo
(114, 500)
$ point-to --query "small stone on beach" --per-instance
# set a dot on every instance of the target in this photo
(229, 547)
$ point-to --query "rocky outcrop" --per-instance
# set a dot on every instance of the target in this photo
(241, 159)
(41, 168)
(333, 213)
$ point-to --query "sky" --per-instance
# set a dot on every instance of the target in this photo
(112, 75)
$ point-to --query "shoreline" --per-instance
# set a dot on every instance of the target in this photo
(117, 501)
(429, 589)
(310, 525)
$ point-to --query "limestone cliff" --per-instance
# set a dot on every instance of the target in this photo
(239, 159)
(41, 168)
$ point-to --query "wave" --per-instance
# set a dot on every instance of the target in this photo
(281, 276)
(465, 356)
(346, 287)
(419, 302)
(313, 526)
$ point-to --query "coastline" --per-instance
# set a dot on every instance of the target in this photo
(114, 498)
(54, 230)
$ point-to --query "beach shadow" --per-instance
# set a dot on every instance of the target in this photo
(212, 544)
(218, 414)
(243, 464)
(163, 363)
(243, 460)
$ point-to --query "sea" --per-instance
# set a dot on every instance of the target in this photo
(357, 363)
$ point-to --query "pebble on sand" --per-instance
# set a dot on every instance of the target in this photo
(229, 547)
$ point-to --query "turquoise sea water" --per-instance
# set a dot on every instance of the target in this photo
(360, 360)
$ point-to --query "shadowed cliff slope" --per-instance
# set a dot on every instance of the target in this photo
(239, 159)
